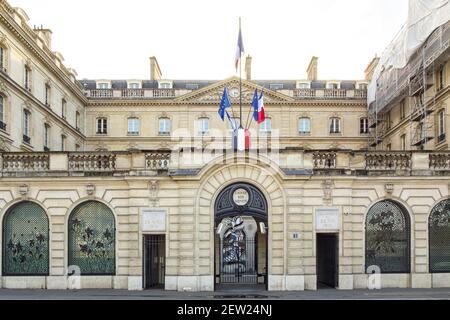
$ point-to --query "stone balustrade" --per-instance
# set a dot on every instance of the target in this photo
(92, 162)
(324, 160)
(156, 162)
(440, 161)
(25, 162)
(388, 161)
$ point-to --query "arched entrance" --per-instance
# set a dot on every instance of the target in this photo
(241, 236)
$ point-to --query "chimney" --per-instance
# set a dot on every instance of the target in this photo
(248, 68)
(312, 69)
(371, 68)
(46, 36)
(155, 71)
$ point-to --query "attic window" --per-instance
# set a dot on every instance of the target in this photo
(276, 86)
(134, 85)
(192, 86)
(165, 85)
(102, 85)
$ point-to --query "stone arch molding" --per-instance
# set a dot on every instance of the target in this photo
(217, 179)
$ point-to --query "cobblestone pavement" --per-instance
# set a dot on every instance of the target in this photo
(324, 294)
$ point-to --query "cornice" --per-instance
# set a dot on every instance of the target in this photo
(27, 40)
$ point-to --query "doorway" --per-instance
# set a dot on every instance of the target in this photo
(327, 260)
(154, 261)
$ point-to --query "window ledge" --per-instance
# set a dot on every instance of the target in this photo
(133, 134)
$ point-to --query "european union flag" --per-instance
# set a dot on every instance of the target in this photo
(255, 105)
(225, 103)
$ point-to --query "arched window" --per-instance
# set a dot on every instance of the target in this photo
(388, 237)
(92, 239)
(25, 240)
(439, 235)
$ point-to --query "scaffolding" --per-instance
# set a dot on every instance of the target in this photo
(416, 82)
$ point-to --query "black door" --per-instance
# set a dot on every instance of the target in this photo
(327, 260)
(154, 261)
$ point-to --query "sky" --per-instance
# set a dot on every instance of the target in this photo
(197, 39)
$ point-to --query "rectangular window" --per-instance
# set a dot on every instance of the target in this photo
(26, 126)
(266, 126)
(335, 125)
(303, 85)
(276, 86)
(63, 108)
(134, 85)
(364, 126)
(332, 85)
(362, 86)
(441, 80)
(165, 85)
(47, 95)
(46, 137)
(2, 114)
(102, 126)
(77, 121)
(102, 85)
(203, 125)
(403, 142)
(304, 126)
(402, 109)
(63, 142)
(133, 126)
(2, 59)
(388, 147)
(164, 126)
(441, 126)
(192, 86)
(27, 78)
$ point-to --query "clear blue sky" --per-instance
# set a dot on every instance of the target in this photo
(196, 39)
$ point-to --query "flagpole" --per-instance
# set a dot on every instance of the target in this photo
(240, 83)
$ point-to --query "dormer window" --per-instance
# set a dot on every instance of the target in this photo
(362, 86)
(303, 85)
(165, 85)
(134, 85)
(102, 85)
(276, 86)
(333, 85)
(191, 86)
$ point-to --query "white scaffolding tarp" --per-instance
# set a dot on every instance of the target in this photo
(424, 16)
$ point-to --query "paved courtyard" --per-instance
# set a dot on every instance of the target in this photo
(324, 294)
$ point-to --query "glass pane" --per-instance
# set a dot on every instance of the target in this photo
(387, 238)
(439, 226)
(92, 238)
(25, 240)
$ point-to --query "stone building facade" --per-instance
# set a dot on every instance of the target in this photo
(132, 184)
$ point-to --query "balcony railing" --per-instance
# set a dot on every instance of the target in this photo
(388, 161)
(92, 162)
(329, 94)
(134, 93)
(157, 160)
(324, 160)
(440, 161)
(25, 162)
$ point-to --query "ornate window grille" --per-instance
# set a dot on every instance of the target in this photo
(92, 239)
(25, 241)
(388, 237)
(439, 237)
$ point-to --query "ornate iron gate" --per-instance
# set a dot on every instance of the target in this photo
(154, 261)
(238, 262)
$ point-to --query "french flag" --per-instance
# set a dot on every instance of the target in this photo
(261, 113)
(239, 50)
